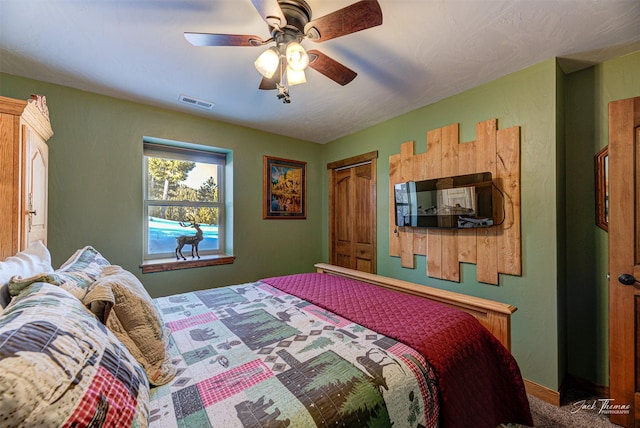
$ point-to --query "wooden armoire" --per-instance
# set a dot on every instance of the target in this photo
(24, 131)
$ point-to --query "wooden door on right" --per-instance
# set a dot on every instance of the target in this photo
(624, 261)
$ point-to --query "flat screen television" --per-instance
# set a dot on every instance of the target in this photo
(459, 202)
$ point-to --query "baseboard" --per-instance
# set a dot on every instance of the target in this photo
(555, 397)
(542, 392)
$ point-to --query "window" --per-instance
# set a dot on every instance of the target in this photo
(183, 196)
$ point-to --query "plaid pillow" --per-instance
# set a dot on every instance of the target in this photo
(59, 366)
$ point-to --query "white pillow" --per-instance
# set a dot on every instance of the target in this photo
(33, 260)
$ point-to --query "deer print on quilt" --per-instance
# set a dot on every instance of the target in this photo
(59, 366)
(252, 356)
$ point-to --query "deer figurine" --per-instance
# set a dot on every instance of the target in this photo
(192, 240)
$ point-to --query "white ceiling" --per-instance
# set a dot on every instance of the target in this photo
(424, 51)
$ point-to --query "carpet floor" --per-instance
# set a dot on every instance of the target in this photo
(579, 413)
(578, 410)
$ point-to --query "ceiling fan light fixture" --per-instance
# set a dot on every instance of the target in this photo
(295, 77)
(297, 57)
(267, 63)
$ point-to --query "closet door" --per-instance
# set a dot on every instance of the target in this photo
(34, 196)
(352, 213)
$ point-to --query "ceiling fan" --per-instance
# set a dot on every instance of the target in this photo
(289, 24)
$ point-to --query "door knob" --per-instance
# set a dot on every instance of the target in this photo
(627, 279)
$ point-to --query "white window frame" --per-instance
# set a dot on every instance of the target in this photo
(185, 152)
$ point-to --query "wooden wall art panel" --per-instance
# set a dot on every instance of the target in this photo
(494, 250)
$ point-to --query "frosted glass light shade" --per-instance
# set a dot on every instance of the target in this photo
(295, 77)
(297, 57)
(267, 63)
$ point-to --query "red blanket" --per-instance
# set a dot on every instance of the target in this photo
(479, 380)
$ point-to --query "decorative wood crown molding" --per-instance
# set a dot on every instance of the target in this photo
(41, 103)
(34, 111)
(37, 114)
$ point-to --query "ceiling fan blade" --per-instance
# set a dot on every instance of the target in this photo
(208, 39)
(356, 17)
(271, 83)
(330, 67)
(270, 11)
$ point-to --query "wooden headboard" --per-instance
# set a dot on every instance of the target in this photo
(495, 316)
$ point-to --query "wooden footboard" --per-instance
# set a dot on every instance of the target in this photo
(495, 316)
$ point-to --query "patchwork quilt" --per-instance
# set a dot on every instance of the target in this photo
(251, 355)
(479, 381)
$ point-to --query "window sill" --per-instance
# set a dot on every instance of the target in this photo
(162, 265)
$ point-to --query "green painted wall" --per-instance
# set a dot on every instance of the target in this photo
(588, 93)
(95, 186)
(526, 99)
(561, 324)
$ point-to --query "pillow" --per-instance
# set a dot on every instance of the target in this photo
(75, 275)
(59, 366)
(33, 260)
(81, 270)
(136, 322)
(87, 260)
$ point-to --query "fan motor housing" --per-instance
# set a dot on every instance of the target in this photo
(297, 13)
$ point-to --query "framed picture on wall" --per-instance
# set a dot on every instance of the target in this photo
(284, 189)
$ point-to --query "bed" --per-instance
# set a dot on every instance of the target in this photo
(335, 347)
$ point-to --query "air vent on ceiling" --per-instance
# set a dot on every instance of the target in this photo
(195, 102)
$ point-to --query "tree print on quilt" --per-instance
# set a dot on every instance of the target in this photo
(252, 356)
(335, 392)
